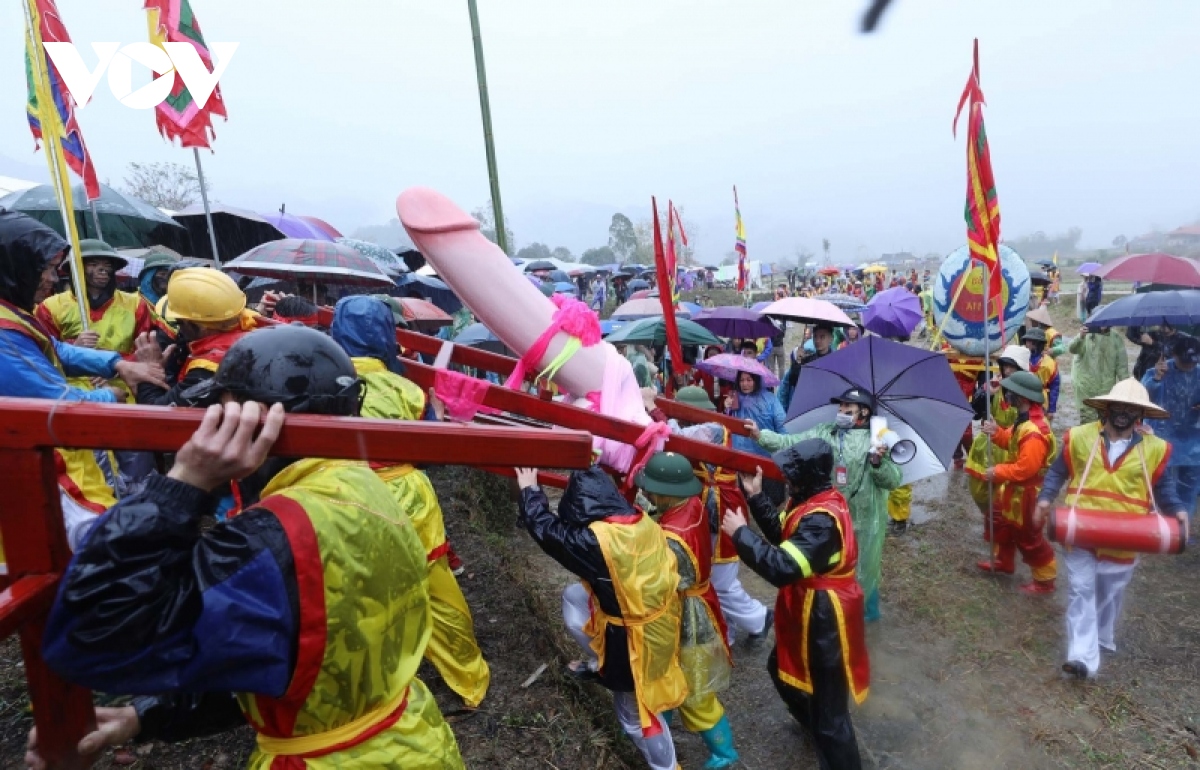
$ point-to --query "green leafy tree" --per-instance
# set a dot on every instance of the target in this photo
(622, 238)
(599, 256)
(563, 254)
(534, 251)
(487, 226)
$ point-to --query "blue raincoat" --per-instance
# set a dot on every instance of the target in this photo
(1178, 393)
(762, 407)
(365, 328)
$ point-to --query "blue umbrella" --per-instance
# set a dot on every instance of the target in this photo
(426, 287)
(479, 336)
(913, 388)
(1178, 308)
(566, 287)
(609, 326)
(845, 302)
(692, 308)
(893, 313)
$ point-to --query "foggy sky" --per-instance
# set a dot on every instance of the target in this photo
(337, 107)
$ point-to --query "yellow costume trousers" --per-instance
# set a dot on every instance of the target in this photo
(701, 712)
(900, 503)
(452, 648)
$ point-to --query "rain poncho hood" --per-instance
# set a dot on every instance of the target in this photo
(1099, 362)
(364, 327)
(150, 268)
(764, 410)
(591, 496)
(26, 247)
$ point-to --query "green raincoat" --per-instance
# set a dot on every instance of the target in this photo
(866, 490)
(1099, 362)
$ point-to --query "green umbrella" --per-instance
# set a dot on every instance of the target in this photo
(126, 222)
(653, 331)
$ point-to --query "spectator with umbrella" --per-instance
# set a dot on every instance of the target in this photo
(1040, 319)
(1099, 362)
(752, 403)
(822, 340)
(862, 471)
(1175, 386)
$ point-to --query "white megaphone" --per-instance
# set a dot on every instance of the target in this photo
(901, 450)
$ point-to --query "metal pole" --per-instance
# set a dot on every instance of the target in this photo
(488, 141)
(96, 221)
(212, 234)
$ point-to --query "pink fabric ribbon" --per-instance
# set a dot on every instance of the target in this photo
(574, 318)
(654, 437)
(462, 395)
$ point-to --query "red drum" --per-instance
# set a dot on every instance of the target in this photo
(1119, 531)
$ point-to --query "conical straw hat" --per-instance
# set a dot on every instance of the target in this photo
(1041, 315)
(1131, 392)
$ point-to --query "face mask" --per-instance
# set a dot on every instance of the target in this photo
(844, 421)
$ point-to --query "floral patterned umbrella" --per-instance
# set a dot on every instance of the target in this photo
(385, 259)
(305, 259)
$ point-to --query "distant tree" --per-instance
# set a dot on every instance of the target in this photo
(1120, 241)
(622, 239)
(802, 255)
(602, 255)
(535, 251)
(731, 258)
(1039, 245)
(563, 254)
(487, 226)
(390, 236)
(170, 186)
(644, 232)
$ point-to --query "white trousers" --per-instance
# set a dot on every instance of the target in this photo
(1094, 599)
(658, 751)
(741, 610)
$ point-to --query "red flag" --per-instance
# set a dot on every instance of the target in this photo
(743, 279)
(983, 206)
(665, 291)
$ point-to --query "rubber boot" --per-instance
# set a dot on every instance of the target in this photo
(719, 740)
(872, 613)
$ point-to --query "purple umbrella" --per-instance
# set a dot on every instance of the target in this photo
(913, 388)
(1087, 268)
(727, 365)
(738, 322)
(295, 227)
(893, 313)
(758, 306)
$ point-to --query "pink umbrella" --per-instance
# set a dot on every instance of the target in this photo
(727, 365)
(807, 310)
(1152, 268)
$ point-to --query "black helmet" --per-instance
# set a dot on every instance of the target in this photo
(855, 396)
(808, 466)
(291, 365)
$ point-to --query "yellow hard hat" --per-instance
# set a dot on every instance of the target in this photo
(202, 295)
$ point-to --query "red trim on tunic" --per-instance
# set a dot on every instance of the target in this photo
(279, 714)
(688, 523)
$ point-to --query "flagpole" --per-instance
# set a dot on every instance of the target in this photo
(54, 159)
(96, 220)
(987, 373)
(489, 145)
(212, 234)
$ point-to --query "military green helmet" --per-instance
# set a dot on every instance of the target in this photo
(669, 474)
(696, 397)
(1026, 384)
(91, 248)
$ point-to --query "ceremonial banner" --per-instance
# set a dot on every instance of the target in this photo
(739, 246)
(179, 116)
(48, 27)
(983, 207)
(666, 288)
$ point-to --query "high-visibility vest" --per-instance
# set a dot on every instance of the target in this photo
(1119, 488)
(645, 581)
(116, 322)
(78, 473)
(354, 699)
(793, 605)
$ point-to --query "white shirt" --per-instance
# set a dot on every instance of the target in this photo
(1117, 448)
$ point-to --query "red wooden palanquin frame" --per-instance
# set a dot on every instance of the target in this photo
(568, 416)
(35, 542)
